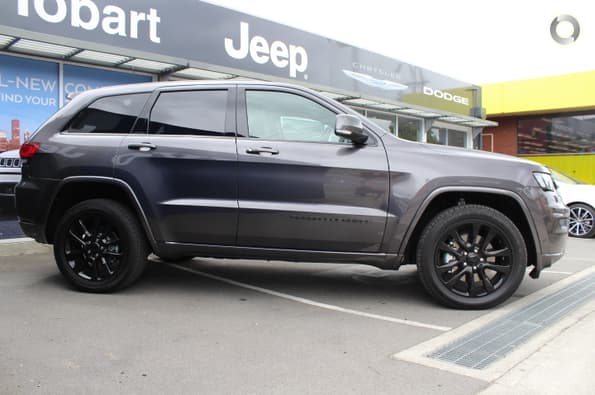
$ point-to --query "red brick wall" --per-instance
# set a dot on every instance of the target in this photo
(503, 137)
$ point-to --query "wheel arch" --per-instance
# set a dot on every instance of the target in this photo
(507, 202)
(73, 190)
(579, 202)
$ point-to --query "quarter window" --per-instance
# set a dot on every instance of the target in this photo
(285, 116)
(113, 114)
(190, 113)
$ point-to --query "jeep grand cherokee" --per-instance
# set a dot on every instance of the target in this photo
(275, 171)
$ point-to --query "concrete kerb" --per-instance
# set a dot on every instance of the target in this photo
(418, 354)
(22, 246)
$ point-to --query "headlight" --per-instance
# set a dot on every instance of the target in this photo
(545, 181)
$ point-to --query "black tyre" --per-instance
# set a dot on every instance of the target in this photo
(100, 246)
(471, 257)
(582, 221)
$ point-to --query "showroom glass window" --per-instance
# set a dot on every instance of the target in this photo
(556, 134)
(409, 128)
(444, 134)
(386, 121)
(113, 114)
(200, 112)
(285, 116)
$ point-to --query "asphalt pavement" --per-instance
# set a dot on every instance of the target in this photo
(254, 327)
(9, 229)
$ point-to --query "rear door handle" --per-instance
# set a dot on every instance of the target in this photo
(261, 150)
(142, 146)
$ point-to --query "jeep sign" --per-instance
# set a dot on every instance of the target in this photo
(279, 53)
(197, 34)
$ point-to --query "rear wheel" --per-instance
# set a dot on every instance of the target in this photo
(471, 257)
(100, 246)
(582, 220)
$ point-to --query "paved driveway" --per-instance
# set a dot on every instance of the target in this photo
(233, 327)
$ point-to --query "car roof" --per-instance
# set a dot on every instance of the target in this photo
(151, 86)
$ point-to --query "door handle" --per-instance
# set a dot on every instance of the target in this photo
(260, 150)
(142, 146)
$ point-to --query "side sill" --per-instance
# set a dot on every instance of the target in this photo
(380, 260)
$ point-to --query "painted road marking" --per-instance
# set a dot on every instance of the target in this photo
(314, 303)
(556, 272)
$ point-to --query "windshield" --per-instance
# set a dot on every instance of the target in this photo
(565, 178)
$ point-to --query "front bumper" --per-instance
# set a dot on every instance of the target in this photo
(552, 230)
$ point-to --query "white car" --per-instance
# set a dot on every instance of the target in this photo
(10, 175)
(580, 198)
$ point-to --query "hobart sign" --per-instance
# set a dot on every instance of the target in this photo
(85, 14)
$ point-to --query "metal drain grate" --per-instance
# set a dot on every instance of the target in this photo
(492, 342)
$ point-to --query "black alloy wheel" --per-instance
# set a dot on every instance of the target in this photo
(100, 246)
(93, 248)
(471, 257)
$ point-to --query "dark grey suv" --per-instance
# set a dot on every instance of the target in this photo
(274, 171)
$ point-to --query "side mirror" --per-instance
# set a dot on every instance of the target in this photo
(350, 127)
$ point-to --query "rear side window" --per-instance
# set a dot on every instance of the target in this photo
(113, 114)
(190, 113)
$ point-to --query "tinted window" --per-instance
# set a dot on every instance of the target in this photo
(114, 114)
(284, 116)
(189, 112)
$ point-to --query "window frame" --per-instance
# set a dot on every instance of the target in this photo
(67, 130)
(230, 116)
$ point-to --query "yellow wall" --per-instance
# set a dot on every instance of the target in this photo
(581, 167)
(561, 93)
(556, 94)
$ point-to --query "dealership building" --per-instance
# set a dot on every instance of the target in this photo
(50, 49)
(549, 120)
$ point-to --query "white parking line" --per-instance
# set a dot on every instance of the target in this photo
(569, 258)
(556, 272)
(314, 303)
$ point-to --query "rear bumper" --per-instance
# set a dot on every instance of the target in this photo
(33, 198)
(34, 231)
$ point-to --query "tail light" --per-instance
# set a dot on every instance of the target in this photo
(28, 150)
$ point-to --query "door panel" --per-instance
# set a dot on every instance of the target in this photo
(184, 171)
(313, 192)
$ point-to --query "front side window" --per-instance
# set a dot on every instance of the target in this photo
(189, 113)
(285, 116)
(113, 114)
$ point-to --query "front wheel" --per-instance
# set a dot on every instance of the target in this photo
(582, 221)
(99, 246)
(471, 257)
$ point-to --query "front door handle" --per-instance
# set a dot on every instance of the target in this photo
(261, 150)
(142, 146)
